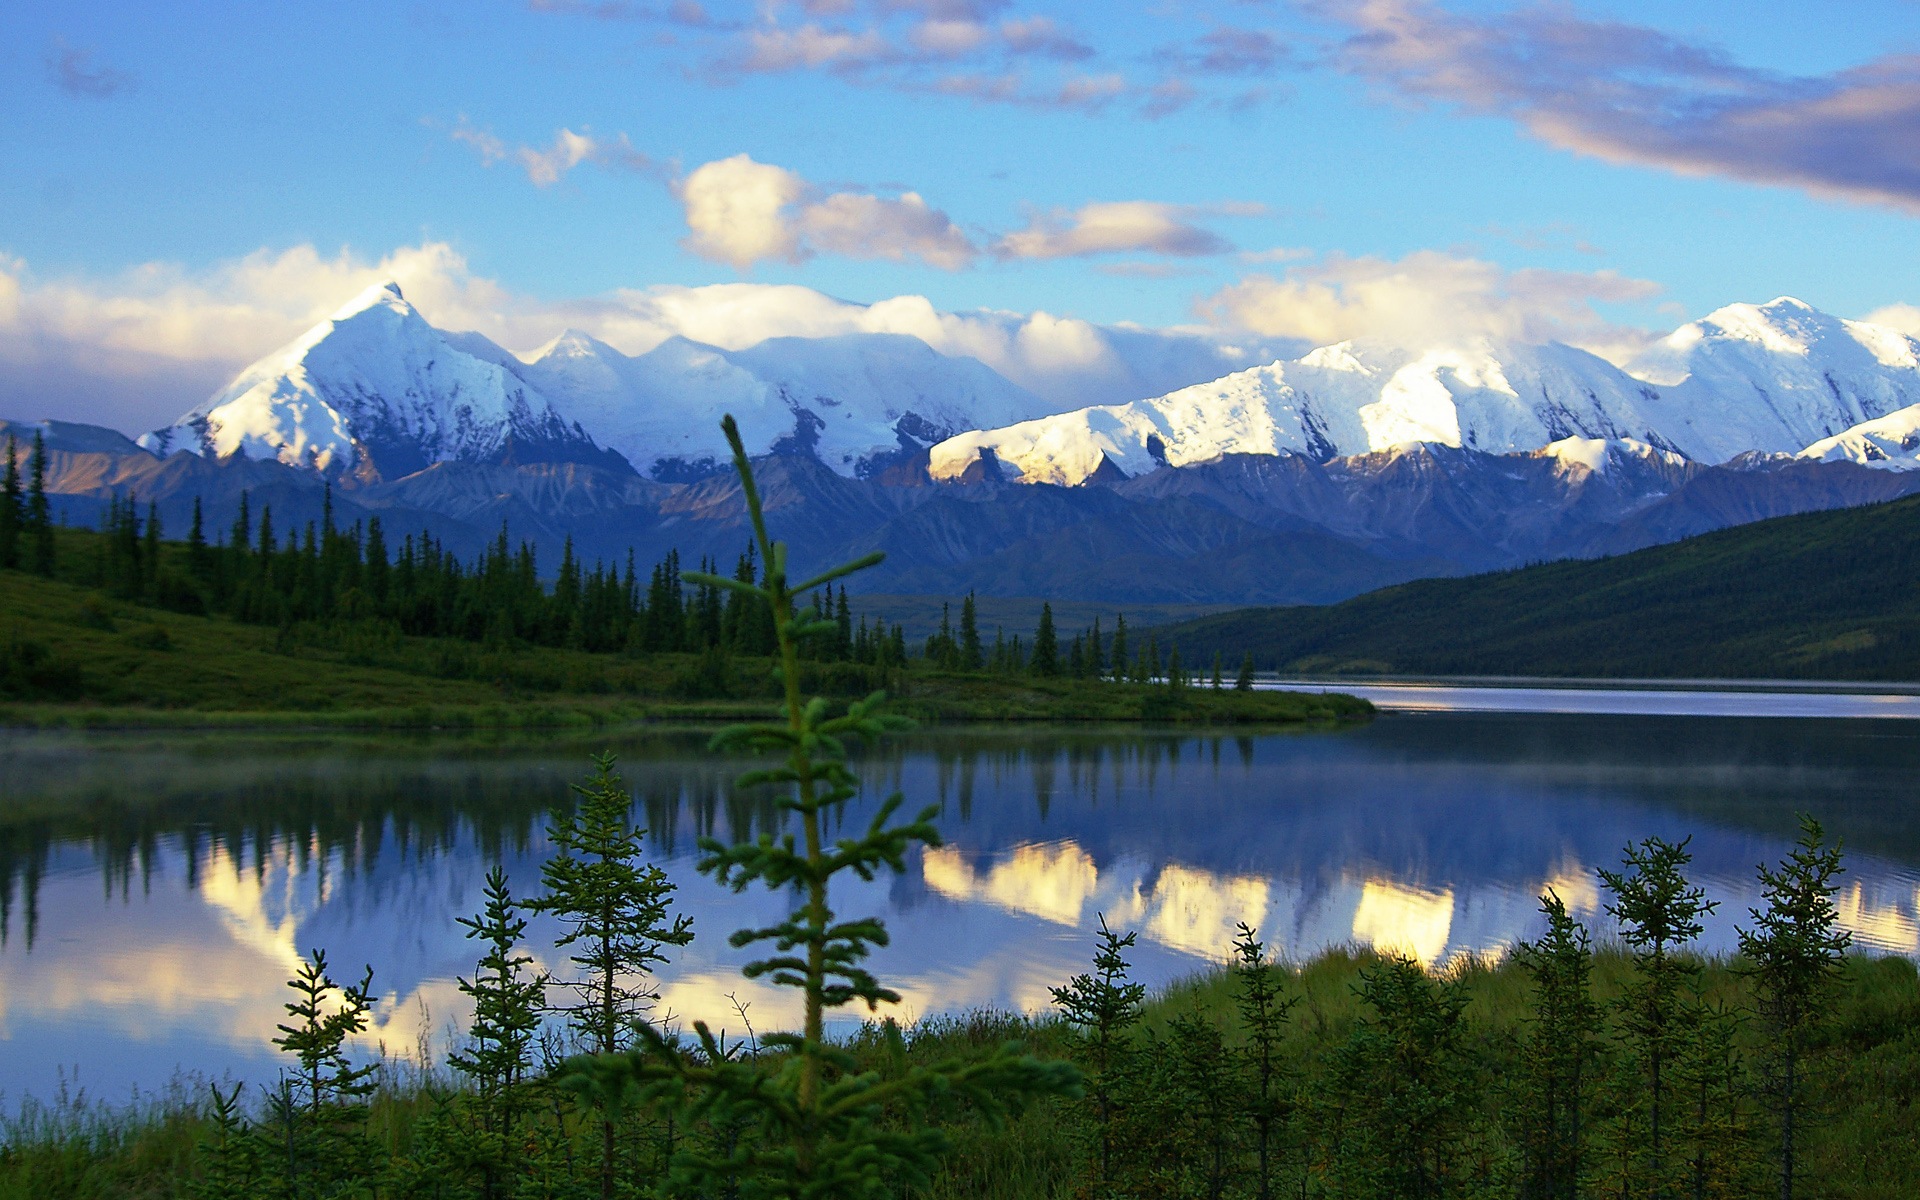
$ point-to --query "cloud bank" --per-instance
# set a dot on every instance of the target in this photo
(1428, 296)
(135, 350)
(979, 50)
(1631, 94)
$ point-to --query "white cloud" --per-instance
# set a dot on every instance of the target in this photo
(1042, 36)
(1904, 317)
(1121, 227)
(738, 211)
(136, 349)
(741, 212)
(949, 38)
(1429, 296)
(548, 166)
(810, 47)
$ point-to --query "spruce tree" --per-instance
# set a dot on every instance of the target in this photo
(1046, 645)
(843, 628)
(320, 1104)
(39, 523)
(618, 913)
(1711, 1088)
(971, 657)
(1243, 682)
(1206, 1096)
(1263, 1014)
(150, 554)
(1120, 659)
(1216, 670)
(1105, 1005)
(1659, 914)
(1402, 1089)
(229, 1152)
(1798, 952)
(13, 510)
(507, 1004)
(813, 1125)
(1558, 1057)
(199, 557)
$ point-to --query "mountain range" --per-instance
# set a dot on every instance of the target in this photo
(1308, 479)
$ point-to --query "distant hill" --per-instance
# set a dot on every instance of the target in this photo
(1831, 595)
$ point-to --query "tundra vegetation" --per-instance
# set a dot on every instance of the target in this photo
(1643, 1070)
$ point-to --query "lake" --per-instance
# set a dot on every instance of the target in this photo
(157, 890)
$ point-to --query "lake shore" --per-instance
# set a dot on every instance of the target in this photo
(71, 657)
(1685, 698)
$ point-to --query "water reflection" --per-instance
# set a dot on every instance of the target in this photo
(154, 895)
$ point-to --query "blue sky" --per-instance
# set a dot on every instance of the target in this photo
(184, 186)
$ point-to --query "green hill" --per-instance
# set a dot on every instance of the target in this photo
(1830, 595)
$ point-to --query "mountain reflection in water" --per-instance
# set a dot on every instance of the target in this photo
(155, 893)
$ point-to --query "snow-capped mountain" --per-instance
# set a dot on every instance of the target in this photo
(856, 400)
(375, 389)
(1349, 398)
(1890, 443)
(1775, 377)
(1769, 378)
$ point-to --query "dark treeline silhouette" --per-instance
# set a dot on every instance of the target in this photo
(26, 523)
(259, 574)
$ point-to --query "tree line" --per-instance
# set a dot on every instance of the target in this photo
(1088, 654)
(257, 573)
(26, 521)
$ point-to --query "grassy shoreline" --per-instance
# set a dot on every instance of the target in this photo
(1865, 1142)
(70, 658)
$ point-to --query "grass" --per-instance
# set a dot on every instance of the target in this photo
(104, 663)
(1864, 1140)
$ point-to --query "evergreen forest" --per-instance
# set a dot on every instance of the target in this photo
(1823, 595)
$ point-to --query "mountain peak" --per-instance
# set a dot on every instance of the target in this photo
(576, 343)
(1782, 325)
(385, 294)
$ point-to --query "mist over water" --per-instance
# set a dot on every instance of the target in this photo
(157, 891)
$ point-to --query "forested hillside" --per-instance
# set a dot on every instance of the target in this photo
(1833, 595)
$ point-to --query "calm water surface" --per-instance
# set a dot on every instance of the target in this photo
(155, 893)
